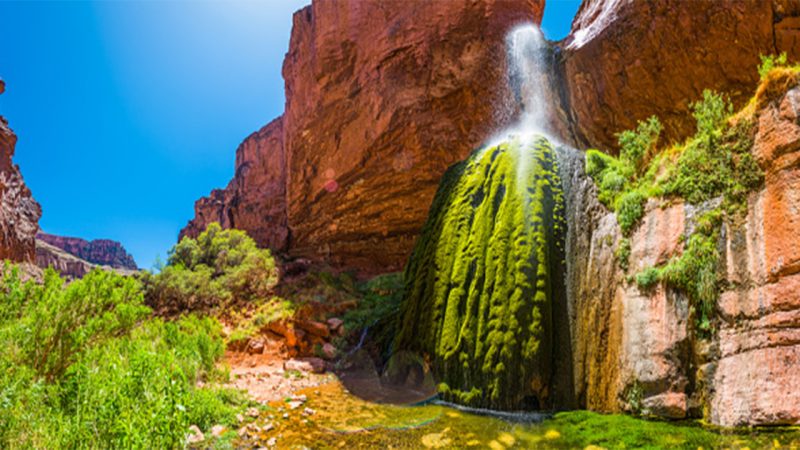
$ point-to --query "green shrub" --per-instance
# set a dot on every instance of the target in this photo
(714, 163)
(636, 145)
(381, 300)
(617, 178)
(217, 268)
(597, 162)
(84, 367)
(630, 209)
(623, 253)
(647, 278)
(769, 62)
(53, 322)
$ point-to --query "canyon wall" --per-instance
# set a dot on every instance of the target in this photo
(255, 199)
(102, 252)
(638, 349)
(19, 212)
(380, 99)
(626, 60)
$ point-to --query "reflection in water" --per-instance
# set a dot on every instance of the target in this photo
(406, 378)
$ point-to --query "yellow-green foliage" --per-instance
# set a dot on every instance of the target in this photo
(480, 281)
(84, 365)
(217, 268)
(777, 77)
(714, 163)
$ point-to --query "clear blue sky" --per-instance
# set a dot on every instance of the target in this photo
(127, 112)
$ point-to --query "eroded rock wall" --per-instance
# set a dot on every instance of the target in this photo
(638, 349)
(103, 252)
(255, 199)
(19, 212)
(755, 382)
(626, 60)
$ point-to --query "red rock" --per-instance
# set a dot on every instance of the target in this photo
(254, 200)
(102, 252)
(380, 99)
(328, 350)
(313, 327)
(670, 405)
(67, 265)
(626, 60)
(759, 339)
(290, 334)
(19, 212)
(255, 346)
(334, 323)
(313, 365)
(658, 236)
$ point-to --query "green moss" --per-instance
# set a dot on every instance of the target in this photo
(481, 279)
(623, 253)
(647, 278)
(769, 62)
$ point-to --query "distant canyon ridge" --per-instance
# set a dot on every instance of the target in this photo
(21, 240)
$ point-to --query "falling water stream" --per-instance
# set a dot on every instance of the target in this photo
(374, 417)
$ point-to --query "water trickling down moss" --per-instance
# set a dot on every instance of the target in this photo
(480, 283)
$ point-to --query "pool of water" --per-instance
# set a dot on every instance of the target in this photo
(333, 418)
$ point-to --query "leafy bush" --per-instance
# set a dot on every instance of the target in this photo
(636, 145)
(382, 297)
(83, 366)
(714, 163)
(217, 268)
(647, 278)
(620, 179)
(623, 253)
(769, 62)
(630, 209)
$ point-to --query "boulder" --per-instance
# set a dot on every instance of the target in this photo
(312, 365)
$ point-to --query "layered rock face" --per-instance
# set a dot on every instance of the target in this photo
(68, 265)
(755, 381)
(638, 349)
(380, 99)
(255, 199)
(102, 252)
(626, 60)
(19, 212)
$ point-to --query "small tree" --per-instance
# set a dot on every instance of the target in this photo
(217, 268)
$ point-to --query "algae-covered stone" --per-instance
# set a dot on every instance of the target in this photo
(483, 276)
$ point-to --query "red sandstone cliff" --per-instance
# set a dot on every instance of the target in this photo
(381, 97)
(626, 60)
(19, 212)
(626, 337)
(102, 252)
(255, 199)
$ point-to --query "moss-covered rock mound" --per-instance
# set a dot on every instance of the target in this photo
(484, 275)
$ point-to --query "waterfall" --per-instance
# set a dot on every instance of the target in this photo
(485, 300)
(527, 65)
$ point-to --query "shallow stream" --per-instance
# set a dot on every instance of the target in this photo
(333, 418)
